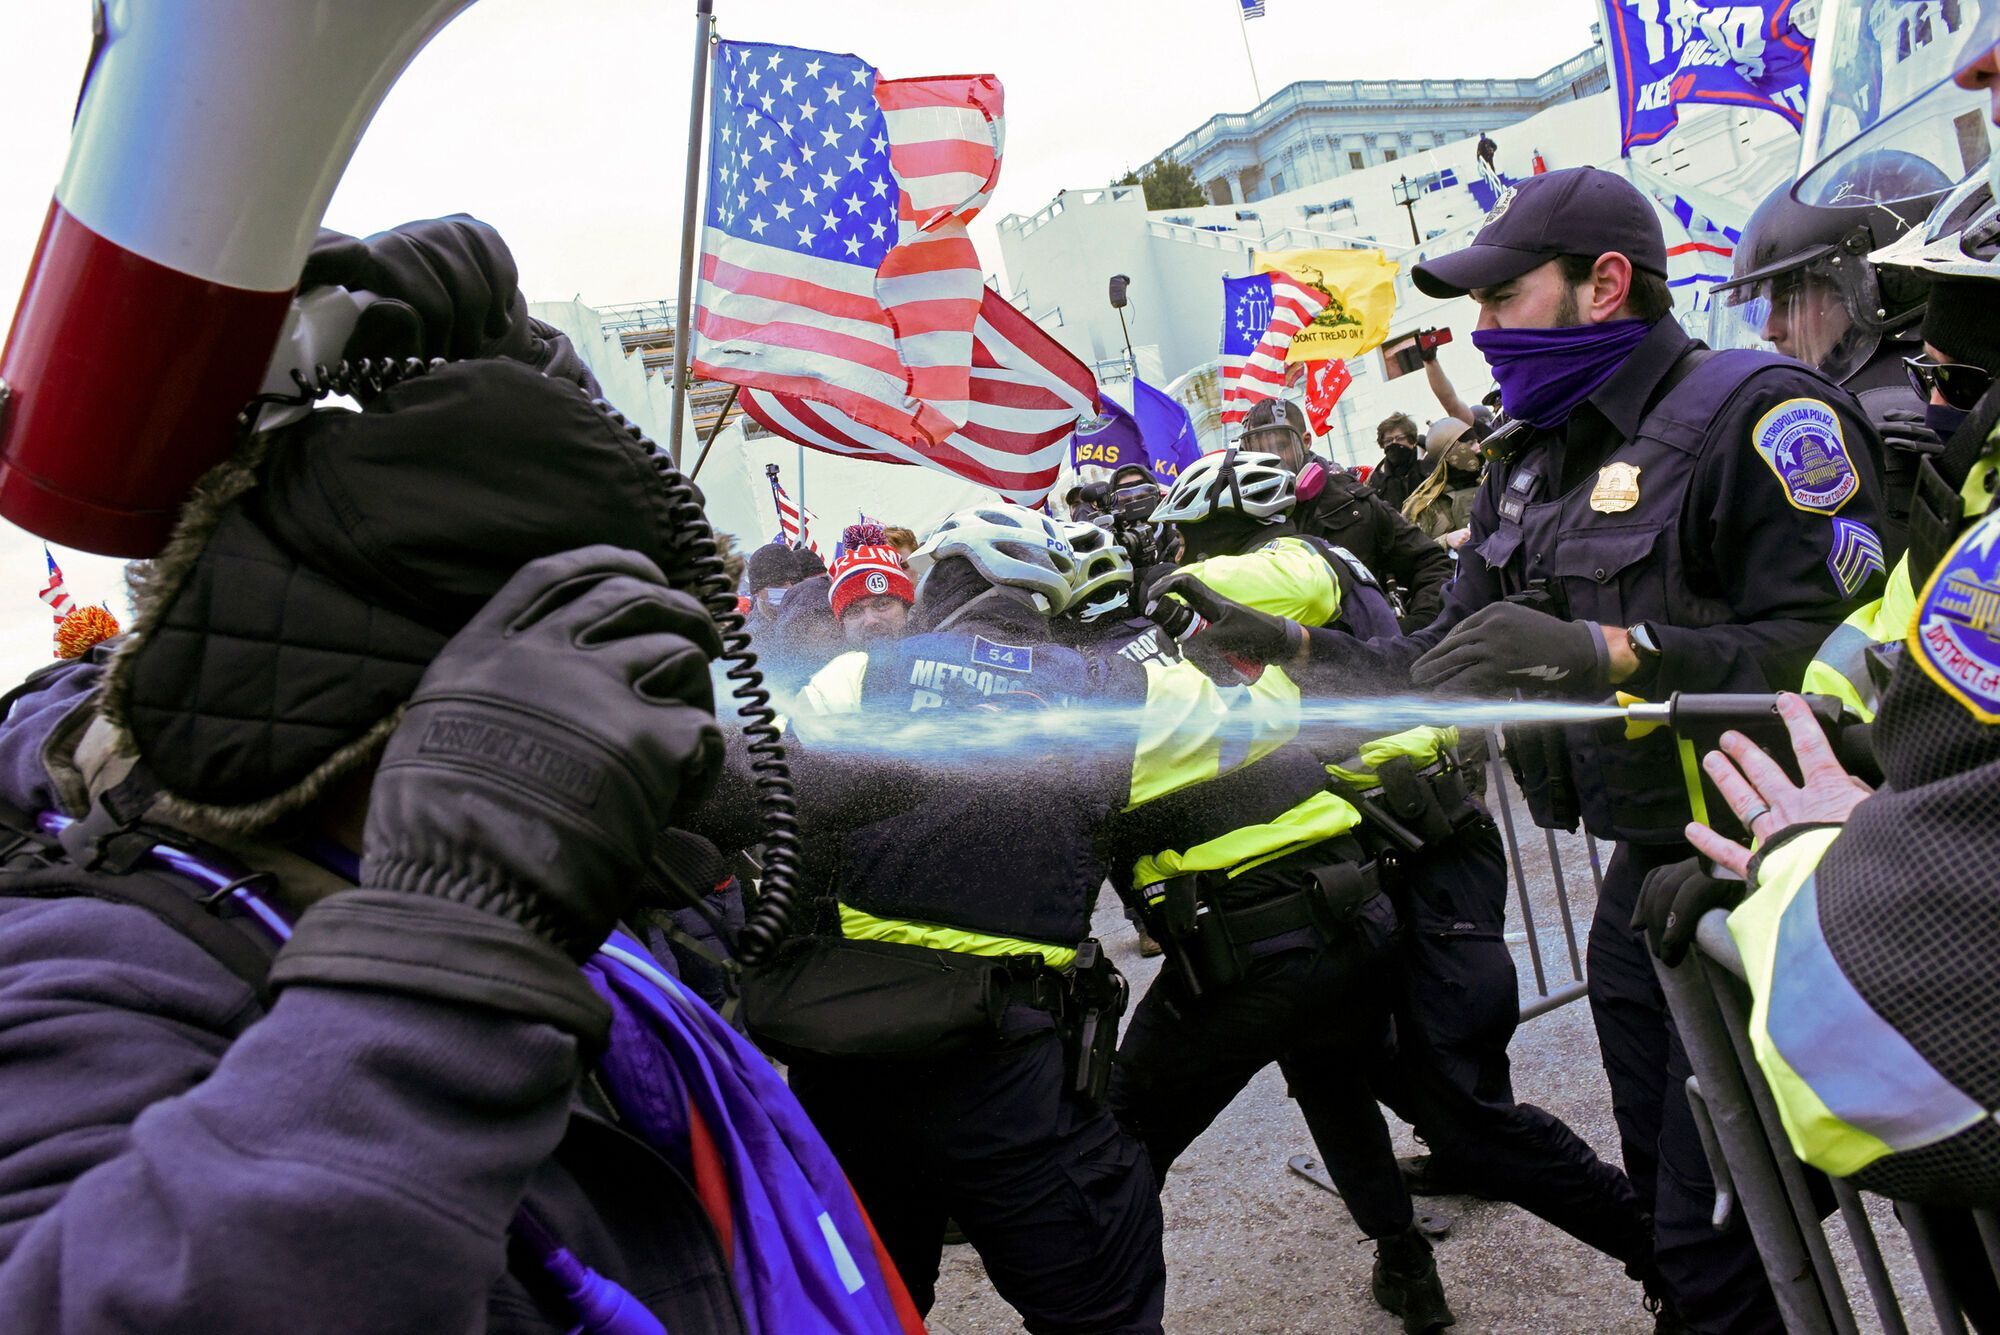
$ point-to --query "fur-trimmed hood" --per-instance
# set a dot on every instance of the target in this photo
(310, 582)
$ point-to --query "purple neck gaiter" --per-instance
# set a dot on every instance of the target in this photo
(1544, 373)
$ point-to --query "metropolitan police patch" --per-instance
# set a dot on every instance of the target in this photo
(1856, 554)
(1955, 635)
(1801, 441)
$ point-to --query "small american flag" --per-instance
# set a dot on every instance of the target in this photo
(835, 262)
(796, 528)
(1250, 379)
(1027, 393)
(56, 595)
(1253, 9)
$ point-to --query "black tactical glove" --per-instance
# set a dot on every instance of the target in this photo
(518, 800)
(448, 287)
(1505, 647)
(1671, 904)
(1908, 431)
(1222, 637)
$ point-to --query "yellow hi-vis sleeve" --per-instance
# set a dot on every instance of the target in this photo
(1321, 816)
(1286, 577)
(1193, 731)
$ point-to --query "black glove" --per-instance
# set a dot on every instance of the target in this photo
(1908, 431)
(448, 287)
(517, 802)
(1220, 636)
(1671, 904)
(548, 744)
(1504, 647)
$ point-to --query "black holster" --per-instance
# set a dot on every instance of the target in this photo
(1095, 997)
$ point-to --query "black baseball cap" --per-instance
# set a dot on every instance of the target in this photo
(1575, 211)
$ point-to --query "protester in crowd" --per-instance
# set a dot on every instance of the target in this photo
(869, 590)
(446, 794)
(1486, 149)
(1400, 471)
(903, 540)
(1538, 164)
(773, 569)
(1442, 506)
(1335, 507)
(1595, 533)
(1803, 284)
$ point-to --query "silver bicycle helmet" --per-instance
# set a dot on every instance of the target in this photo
(1006, 544)
(1250, 483)
(1101, 581)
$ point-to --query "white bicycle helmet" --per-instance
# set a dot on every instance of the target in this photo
(1101, 582)
(1006, 544)
(1960, 239)
(1252, 484)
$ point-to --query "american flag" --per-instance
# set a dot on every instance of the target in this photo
(835, 263)
(56, 595)
(1248, 378)
(1253, 9)
(1027, 393)
(792, 526)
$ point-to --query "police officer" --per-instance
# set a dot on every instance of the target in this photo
(1658, 518)
(1456, 1004)
(1339, 508)
(950, 1025)
(1803, 283)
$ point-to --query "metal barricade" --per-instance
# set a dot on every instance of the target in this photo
(1786, 1203)
(1532, 855)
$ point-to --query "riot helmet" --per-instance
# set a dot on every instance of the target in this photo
(1803, 283)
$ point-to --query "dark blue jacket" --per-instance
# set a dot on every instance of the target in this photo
(174, 1158)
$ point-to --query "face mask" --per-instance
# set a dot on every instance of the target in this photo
(1399, 456)
(1545, 373)
(1944, 419)
(1312, 481)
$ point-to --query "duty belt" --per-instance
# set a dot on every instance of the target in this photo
(1410, 807)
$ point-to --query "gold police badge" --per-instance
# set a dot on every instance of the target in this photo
(1617, 489)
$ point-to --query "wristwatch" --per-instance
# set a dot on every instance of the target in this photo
(1646, 648)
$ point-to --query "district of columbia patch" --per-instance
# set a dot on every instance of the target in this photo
(1801, 442)
(1006, 657)
(1617, 489)
(1955, 633)
(1857, 554)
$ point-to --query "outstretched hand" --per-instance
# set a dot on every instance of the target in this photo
(1763, 796)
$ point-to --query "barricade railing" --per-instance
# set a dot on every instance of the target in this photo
(1540, 863)
(1785, 1203)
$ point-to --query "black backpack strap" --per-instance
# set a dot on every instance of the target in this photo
(36, 865)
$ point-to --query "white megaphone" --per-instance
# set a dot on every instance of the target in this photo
(209, 137)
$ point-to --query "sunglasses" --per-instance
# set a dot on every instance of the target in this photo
(1957, 384)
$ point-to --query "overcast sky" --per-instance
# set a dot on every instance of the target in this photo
(563, 123)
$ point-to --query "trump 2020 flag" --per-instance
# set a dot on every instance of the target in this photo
(835, 264)
(1666, 52)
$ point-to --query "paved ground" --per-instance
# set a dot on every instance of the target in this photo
(1253, 1248)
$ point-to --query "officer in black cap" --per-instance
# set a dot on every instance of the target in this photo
(1657, 517)
(1803, 284)
(1343, 511)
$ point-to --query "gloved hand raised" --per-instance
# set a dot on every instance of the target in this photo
(448, 287)
(1220, 636)
(1908, 431)
(1672, 902)
(546, 747)
(1504, 647)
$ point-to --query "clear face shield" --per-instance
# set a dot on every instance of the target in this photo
(1277, 439)
(1826, 312)
(1882, 94)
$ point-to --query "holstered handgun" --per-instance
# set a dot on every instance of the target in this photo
(1097, 997)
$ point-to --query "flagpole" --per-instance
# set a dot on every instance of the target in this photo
(704, 30)
(715, 431)
(1243, 27)
(805, 524)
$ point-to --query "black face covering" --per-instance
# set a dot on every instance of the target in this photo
(1398, 458)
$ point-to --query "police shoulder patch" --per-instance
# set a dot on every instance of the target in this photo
(1801, 442)
(1955, 634)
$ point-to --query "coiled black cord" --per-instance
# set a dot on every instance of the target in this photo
(701, 572)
